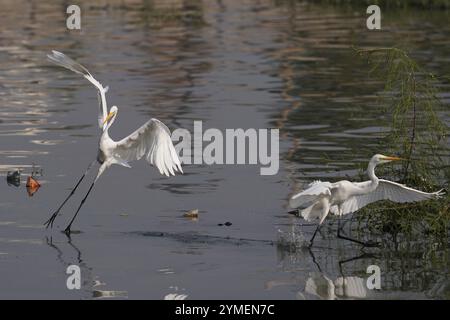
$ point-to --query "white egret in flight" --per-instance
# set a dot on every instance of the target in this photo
(344, 197)
(151, 140)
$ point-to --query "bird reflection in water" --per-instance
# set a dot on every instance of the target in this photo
(91, 282)
(344, 287)
(294, 256)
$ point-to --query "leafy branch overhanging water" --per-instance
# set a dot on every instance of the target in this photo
(418, 134)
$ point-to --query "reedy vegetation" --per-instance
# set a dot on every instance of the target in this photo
(410, 99)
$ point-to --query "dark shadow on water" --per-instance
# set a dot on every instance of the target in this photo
(198, 238)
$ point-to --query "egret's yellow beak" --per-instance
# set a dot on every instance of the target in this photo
(393, 158)
(108, 117)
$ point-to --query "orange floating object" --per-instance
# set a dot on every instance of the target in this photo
(32, 183)
(32, 186)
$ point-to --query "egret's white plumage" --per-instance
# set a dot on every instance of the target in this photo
(344, 197)
(64, 61)
(386, 190)
(151, 140)
(317, 189)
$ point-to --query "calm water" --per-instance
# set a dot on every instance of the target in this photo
(231, 64)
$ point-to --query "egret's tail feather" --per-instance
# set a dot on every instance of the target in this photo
(62, 60)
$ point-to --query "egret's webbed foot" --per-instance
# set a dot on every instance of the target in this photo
(49, 222)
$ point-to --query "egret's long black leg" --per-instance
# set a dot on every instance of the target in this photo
(314, 235)
(365, 244)
(50, 221)
(67, 230)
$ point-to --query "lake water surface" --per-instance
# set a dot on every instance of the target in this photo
(230, 64)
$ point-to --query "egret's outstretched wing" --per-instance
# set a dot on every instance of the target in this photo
(314, 192)
(387, 190)
(152, 140)
(64, 61)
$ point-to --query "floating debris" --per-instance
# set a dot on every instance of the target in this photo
(32, 182)
(225, 224)
(13, 178)
(102, 294)
(32, 186)
(192, 214)
(175, 296)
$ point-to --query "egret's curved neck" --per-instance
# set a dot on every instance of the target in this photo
(371, 173)
(105, 133)
(108, 125)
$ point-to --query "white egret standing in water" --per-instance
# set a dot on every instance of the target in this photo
(344, 197)
(152, 139)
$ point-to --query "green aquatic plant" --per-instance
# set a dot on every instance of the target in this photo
(412, 107)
